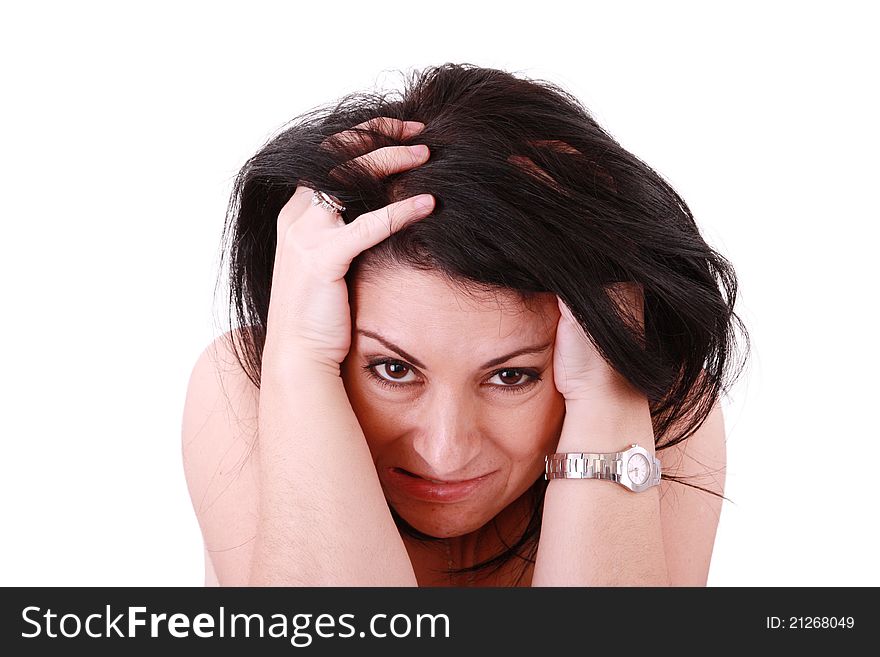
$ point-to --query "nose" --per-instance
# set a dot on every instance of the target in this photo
(449, 438)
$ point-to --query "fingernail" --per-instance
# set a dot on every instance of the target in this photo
(414, 125)
(419, 150)
(424, 201)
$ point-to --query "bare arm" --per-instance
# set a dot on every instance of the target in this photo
(223, 472)
(323, 519)
(597, 533)
(614, 539)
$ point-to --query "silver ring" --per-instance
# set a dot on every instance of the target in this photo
(327, 202)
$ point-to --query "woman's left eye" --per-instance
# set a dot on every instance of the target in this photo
(510, 379)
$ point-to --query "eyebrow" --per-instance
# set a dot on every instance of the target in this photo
(536, 349)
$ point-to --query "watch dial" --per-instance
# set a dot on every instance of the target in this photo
(638, 469)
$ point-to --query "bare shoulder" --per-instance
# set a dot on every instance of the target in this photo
(218, 437)
(689, 516)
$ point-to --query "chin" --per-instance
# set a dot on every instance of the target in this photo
(442, 524)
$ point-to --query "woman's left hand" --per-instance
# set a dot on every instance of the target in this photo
(579, 371)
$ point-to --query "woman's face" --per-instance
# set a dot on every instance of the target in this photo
(454, 405)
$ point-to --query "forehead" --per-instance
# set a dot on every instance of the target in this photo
(415, 300)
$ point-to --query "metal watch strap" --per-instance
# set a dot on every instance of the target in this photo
(608, 466)
(584, 465)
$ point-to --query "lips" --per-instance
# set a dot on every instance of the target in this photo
(417, 487)
(436, 481)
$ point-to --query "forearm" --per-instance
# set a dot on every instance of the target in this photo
(323, 518)
(596, 532)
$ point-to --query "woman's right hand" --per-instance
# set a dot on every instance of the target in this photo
(309, 316)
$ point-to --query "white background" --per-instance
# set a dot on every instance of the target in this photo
(122, 128)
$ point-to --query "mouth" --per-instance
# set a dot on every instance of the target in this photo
(438, 481)
(414, 486)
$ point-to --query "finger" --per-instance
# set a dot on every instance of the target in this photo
(297, 207)
(391, 159)
(372, 227)
(395, 128)
(300, 201)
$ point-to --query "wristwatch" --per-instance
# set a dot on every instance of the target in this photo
(633, 468)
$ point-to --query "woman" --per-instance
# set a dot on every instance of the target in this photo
(438, 292)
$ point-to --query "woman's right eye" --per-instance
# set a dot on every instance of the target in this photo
(388, 373)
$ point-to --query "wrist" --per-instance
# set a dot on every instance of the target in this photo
(606, 424)
(293, 364)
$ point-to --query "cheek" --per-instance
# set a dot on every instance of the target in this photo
(526, 433)
(381, 421)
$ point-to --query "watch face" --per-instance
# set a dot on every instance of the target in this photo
(638, 469)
